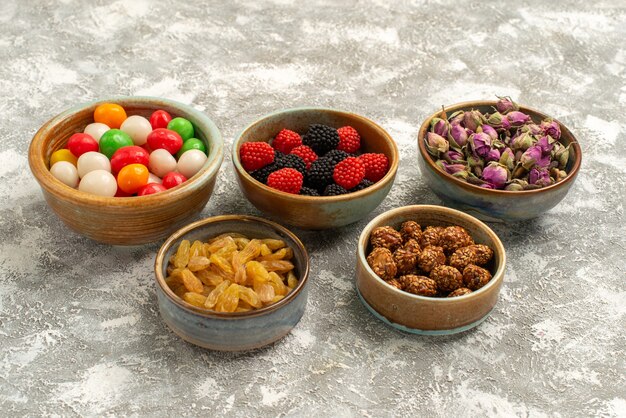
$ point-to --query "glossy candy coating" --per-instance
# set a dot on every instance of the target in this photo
(151, 188)
(152, 178)
(132, 177)
(165, 139)
(66, 173)
(91, 161)
(161, 162)
(128, 155)
(138, 128)
(160, 119)
(191, 162)
(81, 143)
(182, 126)
(62, 155)
(96, 130)
(173, 179)
(99, 182)
(112, 140)
(111, 114)
(191, 143)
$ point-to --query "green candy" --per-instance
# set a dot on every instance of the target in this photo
(182, 126)
(112, 140)
(191, 143)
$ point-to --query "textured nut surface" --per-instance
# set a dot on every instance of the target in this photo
(430, 257)
(460, 292)
(386, 237)
(454, 237)
(411, 230)
(483, 254)
(431, 236)
(406, 256)
(395, 283)
(418, 285)
(463, 257)
(475, 277)
(447, 278)
(381, 261)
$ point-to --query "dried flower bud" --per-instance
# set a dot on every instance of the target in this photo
(522, 142)
(453, 156)
(405, 257)
(436, 144)
(546, 143)
(382, 263)
(411, 230)
(514, 187)
(496, 119)
(496, 174)
(552, 128)
(473, 119)
(507, 159)
(505, 104)
(483, 254)
(493, 155)
(539, 176)
(457, 136)
(490, 131)
(431, 257)
(431, 236)
(454, 237)
(461, 291)
(386, 237)
(534, 156)
(440, 126)
(418, 285)
(456, 170)
(475, 277)
(517, 118)
(562, 156)
(480, 144)
(447, 278)
(456, 118)
(531, 128)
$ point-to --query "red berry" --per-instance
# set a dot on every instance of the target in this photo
(79, 144)
(306, 153)
(160, 119)
(376, 166)
(128, 155)
(287, 180)
(255, 155)
(151, 188)
(349, 173)
(349, 139)
(166, 139)
(172, 179)
(286, 140)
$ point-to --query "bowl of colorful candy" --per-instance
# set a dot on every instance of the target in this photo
(497, 160)
(128, 170)
(315, 168)
(429, 269)
(232, 282)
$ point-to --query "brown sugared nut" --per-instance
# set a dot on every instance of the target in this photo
(483, 254)
(406, 256)
(394, 283)
(463, 257)
(386, 237)
(381, 261)
(430, 257)
(418, 285)
(460, 292)
(455, 237)
(475, 277)
(431, 236)
(411, 230)
(447, 278)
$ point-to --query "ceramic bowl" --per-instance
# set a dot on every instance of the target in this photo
(429, 315)
(313, 212)
(496, 205)
(133, 220)
(235, 331)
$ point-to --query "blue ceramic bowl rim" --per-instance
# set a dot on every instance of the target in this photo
(364, 238)
(423, 152)
(380, 184)
(206, 173)
(160, 260)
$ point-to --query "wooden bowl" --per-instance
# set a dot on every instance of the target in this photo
(316, 212)
(132, 220)
(236, 331)
(421, 314)
(496, 205)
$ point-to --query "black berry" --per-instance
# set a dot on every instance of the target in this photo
(321, 138)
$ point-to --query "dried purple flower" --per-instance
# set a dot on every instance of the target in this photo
(505, 104)
(436, 144)
(487, 129)
(532, 128)
(533, 156)
(456, 118)
(496, 174)
(493, 155)
(517, 118)
(480, 144)
(473, 119)
(453, 156)
(539, 176)
(523, 141)
(456, 170)
(507, 158)
(495, 119)
(552, 128)
(457, 135)
(561, 155)
(440, 126)
(546, 143)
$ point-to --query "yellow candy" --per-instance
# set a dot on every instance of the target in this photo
(62, 155)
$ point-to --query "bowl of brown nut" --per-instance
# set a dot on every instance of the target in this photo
(429, 270)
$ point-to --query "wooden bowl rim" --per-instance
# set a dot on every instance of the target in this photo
(46, 180)
(474, 188)
(390, 215)
(160, 259)
(380, 184)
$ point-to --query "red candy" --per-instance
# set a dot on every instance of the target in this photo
(128, 155)
(166, 139)
(160, 119)
(173, 179)
(79, 144)
(151, 188)
(122, 193)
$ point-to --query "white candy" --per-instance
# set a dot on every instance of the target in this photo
(91, 161)
(96, 130)
(154, 179)
(191, 162)
(98, 182)
(161, 162)
(138, 128)
(65, 172)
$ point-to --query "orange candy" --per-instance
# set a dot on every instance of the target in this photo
(110, 114)
(132, 177)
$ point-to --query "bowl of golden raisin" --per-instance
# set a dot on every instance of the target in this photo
(429, 269)
(232, 283)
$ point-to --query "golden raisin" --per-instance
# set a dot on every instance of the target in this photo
(211, 300)
(228, 300)
(197, 263)
(182, 255)
(194, 299)
(191, 282)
